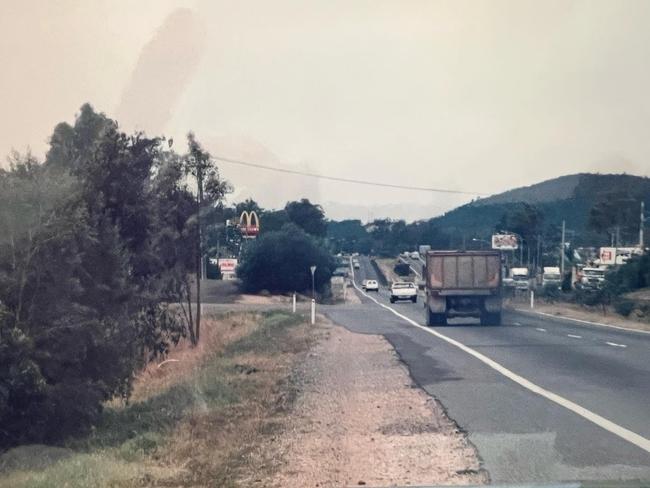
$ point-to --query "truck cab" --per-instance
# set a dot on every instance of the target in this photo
(551, 276)
(520, 278)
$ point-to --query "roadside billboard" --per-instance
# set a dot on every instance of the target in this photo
(227, 267)
(607, 255)
(505, 242)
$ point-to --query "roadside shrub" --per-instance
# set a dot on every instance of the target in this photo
(402, 269)
(279, 261)
(551, 293)
(624, 307)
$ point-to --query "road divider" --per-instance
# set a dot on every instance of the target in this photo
(602, 422)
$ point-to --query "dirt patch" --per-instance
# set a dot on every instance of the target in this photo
(360, 420)
(575, 311)
(351, 295)
(262, 299)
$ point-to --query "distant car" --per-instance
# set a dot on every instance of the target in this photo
(415, 255)
(403, 290)
(356, 264)
(363, 284)
(372, 285)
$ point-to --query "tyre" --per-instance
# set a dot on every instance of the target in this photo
(436, 318)
(392, 300)
(491, 318)
(414, 299)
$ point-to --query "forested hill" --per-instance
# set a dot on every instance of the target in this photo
(567, 198)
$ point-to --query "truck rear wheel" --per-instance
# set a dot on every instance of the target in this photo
(436, 318)
(491, 318)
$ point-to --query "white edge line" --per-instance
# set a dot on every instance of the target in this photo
(563, 317)
(602, 422)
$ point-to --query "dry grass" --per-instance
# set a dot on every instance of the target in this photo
(191, 421)
(216, 333)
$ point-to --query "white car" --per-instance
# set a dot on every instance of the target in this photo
(356, 264)
(403, 290)
(415, 255)
(372, 285)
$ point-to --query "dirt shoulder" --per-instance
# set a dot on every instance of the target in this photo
(359, 420)
(574, 311)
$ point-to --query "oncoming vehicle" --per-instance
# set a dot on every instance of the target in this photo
(520, 278)
(403, 290)
(355, 264)
(414, 255)
(372, 285)
(551, 277)
(591, 279)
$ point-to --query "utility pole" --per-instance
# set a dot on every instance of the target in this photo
(562, 250)
(642, 224)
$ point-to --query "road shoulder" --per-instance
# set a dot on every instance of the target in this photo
(359, 419)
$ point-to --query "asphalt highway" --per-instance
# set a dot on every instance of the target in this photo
(520, 434)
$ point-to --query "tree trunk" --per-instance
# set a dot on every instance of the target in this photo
(190, 322)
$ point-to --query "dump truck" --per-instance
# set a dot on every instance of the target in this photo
(463, 284)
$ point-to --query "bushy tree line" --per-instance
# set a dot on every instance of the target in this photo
(96, 245)
(280, 260)
(385, 236)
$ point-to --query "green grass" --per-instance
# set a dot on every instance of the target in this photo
(113, 454)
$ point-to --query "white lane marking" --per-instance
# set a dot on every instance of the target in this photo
(584, 321)
(540, 329)
(593, 417)
(517, 324)
(615, 345)
(574, 336)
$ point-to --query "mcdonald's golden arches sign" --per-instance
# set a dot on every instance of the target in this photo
(249, 224)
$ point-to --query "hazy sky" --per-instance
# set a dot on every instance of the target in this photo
(472, 95)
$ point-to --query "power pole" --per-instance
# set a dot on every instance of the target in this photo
(642, 224)
(562, 250)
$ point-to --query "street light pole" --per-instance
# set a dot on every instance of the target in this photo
(562, 250)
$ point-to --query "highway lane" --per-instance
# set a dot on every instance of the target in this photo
(520, 435)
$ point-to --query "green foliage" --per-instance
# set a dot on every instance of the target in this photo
(551, 293)
(402, 269)
(93, 243)
(308, 216)
(624, 307)
(631, 276)
(615, 211)
(279, 261)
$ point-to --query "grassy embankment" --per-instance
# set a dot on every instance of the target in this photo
(189, 422)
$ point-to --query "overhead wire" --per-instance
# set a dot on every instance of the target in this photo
(344, 180)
